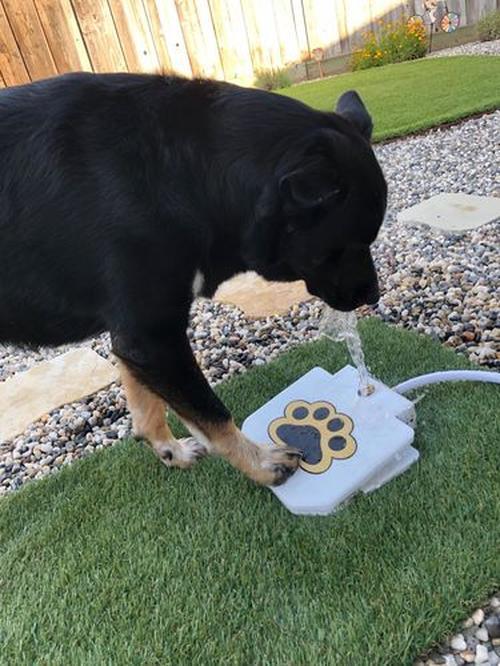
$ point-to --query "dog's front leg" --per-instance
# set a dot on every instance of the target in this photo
(169, 371)
(148, 413)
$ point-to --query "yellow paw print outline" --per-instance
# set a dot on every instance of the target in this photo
(304, 423)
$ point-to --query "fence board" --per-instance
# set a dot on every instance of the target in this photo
(99, 34)
(168, 35)
(409, 7)
(395, 11)
(12, 65)
(288, 41)
(386, 10)
(262, 34)
(207, 32)
(344, 35)
(63, 35)
(199, 35)
(321, 22)
(135, 36)
(300, 29)
(476, 9)
(28, 31)
(155, 25)
(463, 7)
(359, 19)
(232, 40)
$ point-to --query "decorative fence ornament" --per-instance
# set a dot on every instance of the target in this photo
(450, 22)
(436, 16)
(318, 54)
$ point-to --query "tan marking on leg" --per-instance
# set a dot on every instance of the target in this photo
(148, 412)
(263, 464)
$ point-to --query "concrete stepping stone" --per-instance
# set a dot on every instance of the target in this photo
(29, 395)
(453, 213)
(258, 297)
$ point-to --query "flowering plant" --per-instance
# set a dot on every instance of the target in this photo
(395, 42)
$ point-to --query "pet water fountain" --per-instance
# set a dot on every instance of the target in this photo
(355, 432)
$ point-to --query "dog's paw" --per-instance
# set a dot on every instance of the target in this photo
(318, 430)
(181, 453)
(276, 465)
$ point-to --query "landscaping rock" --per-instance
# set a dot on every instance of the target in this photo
(458, 643)
(478, 616)
(492, 626)
(493, 658)
(435, 660)
(482, 635)
(481, 656)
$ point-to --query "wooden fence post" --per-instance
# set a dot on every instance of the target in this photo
(30, 37)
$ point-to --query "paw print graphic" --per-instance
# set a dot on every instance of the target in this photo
(318, 430)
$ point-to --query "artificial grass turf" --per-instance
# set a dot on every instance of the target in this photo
(117, 560)
(412, 96)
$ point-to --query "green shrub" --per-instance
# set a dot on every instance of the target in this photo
(489, 26)
(272, 79)
(395, 43)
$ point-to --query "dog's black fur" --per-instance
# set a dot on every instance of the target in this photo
(116, 189)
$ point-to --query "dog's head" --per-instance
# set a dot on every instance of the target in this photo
(323, 208)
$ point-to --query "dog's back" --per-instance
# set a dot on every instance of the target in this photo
(87, 161)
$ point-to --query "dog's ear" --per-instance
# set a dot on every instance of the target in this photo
(350, 106)
(306, 180)
(308, 187)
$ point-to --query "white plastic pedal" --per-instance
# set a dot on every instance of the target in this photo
(350, 443)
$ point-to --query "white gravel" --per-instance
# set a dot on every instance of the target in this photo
(446, 286)
(472, 48)
(477, 643)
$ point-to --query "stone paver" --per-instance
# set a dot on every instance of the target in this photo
(258, 297)
(453, 213)
(27, 396)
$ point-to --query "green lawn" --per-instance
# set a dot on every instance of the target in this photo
(412, 96)
(117, 560)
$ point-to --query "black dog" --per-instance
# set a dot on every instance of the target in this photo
(124, 196)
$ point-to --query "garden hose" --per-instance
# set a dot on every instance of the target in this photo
(447, 376)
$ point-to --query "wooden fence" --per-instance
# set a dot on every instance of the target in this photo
(226, 39)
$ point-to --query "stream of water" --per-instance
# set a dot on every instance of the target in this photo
(342, 326)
